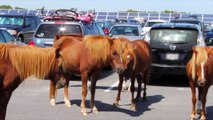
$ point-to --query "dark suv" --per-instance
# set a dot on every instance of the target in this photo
(20, 26)
(191, 20)
(171, 45)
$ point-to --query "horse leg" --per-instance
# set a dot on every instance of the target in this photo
(5, 97)
(93, 88)
(146, 80)
(139, 81)
(116, 102)
(66, 94)
(199, 103)
(52, 93)
(84, 77)
(203, 111)
(132, 89)
(193, 90)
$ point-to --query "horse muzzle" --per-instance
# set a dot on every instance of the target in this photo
(201, 83)
(119, 70)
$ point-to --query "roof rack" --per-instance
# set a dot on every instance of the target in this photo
(69, 15)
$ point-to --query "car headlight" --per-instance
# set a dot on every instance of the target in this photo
(13, 32)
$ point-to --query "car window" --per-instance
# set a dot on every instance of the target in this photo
(125, 30)
(7, 36)
(2, 38)
(98, 29)
(88, 29)
(167, 36)
(50, 30)
(11, 20)
(150, 24)
(33, 23)
(27, 21)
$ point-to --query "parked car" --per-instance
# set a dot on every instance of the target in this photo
(46, 31)
(130, 31)
(6, 37)
(130, 21)
(147, 26)
(106, 25)
(19, 25)
(209, 37)
(172, 46)
(191, 20)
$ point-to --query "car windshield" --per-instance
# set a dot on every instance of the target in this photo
(125, 30)
(11, 20)
(150, 24)
(50, 30)
(167, 36)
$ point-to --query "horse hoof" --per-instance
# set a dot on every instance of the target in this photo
(67, 103)
(84, 112)
(52, 102)
(132, 107)
(95, 110)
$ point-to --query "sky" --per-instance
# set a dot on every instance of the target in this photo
(190, 6)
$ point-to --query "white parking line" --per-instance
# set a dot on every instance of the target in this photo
(111, 87)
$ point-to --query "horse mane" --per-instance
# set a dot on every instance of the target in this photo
(199, 55)
(77, 36)
(98, 45)
(30, 60)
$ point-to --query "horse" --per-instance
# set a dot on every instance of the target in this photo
(67, 77)
(88, 57)
(19, 62)
(199, 71)
(137, 64)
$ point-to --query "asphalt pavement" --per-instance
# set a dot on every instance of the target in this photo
(168, 98)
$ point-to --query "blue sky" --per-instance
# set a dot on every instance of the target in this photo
(192, 6)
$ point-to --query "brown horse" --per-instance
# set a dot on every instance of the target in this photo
(20, 62)
(87, 59)
(137, 63)
(67, 76)
(199, 71)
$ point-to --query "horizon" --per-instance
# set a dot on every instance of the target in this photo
(189, 6)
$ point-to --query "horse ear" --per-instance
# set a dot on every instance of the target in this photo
(56, 37)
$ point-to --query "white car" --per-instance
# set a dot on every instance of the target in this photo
(149, 24)
(129, 31)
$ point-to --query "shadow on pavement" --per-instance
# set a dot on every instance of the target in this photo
(141, 107)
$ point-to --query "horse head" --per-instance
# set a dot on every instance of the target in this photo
(116, 52)
(200, 65)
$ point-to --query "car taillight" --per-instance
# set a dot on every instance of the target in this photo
(31, 43)
(106, 31)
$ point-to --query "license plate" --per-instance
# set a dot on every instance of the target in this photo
(172, 56)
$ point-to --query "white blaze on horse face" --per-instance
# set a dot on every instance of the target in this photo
(202, 71)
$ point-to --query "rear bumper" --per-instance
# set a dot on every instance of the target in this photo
(164, 69)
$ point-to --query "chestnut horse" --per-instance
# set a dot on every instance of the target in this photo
(87, 59)
(19, 62)
(137, 63)
(199, 71)
(67, 76)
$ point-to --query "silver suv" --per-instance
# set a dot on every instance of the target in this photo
(46, 31)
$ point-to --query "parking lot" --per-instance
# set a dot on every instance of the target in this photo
(168, 98)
